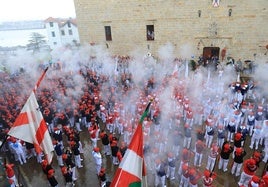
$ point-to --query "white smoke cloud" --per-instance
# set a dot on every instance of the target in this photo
(200, 86)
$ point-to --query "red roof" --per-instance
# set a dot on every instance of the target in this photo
(61, 21)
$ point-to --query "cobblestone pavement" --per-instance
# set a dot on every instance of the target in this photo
(31, 175)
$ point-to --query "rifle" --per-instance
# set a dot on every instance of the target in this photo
(217, 158)
(265, 168)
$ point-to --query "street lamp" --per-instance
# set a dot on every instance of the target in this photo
(199, 13)
(230, 12)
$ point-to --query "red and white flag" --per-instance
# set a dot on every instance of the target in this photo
(132, 171)
(31, 127)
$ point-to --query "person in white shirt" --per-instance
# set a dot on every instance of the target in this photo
(98, 159)
(256, 136)
(19, 152)
(250, 123)
(214, 152)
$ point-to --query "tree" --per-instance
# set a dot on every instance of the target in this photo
(36, 42)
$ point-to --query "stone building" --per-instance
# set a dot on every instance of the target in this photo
(237, 28)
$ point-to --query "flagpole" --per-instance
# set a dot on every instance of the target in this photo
(4, 141)
(39, 80)
(145, 113)
(34, 90)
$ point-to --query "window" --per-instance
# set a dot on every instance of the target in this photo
(51, 24)
(69, 24)
(70, 32)
(62, 32)
(150, 32)
(53, 34)
(108, 33)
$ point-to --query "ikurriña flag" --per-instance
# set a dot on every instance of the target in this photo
(31, 127)
(132, 171)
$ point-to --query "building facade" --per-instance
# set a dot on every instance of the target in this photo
(61, 32)
(207, 26)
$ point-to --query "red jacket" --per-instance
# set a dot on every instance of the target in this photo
(186, 155)
(9, 170)
(199, 146)
(250, 166)
(194, 176)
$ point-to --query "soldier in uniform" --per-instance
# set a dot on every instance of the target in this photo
(250, 122)
(171, 166)
(187, 136)
(105, 142)
(98, 159)
(102, 177)
(227, 149)
(11, 175)
(239, 154)
(194, 177)
(160, 173)
(249, 169)
(67, 174)
(185, 158)
(209, 134)
(51, 178)
(220, 136)
(199, 148)
(238, 139)
(212, 157)
(208, 178)
(184, 181)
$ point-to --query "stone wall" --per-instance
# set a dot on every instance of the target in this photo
(244, 33)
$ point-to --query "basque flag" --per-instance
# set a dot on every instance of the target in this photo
(131, 171)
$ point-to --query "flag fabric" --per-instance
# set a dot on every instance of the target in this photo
(31, 127)
(132, 171)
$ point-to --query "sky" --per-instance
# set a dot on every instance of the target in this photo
(18, 10)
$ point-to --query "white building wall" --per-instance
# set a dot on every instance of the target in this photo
(53, 41)
(60, 40)
(67, 38)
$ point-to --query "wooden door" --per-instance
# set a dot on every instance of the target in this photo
(209, 52)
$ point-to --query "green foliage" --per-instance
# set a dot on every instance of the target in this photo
(193, 65)
(36, 42)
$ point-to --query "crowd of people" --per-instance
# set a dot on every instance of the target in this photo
(185, 128)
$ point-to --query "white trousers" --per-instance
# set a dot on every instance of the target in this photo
(236, 169)
(244, 179)
(160, 180)
(184, 181)
(171, 172)
(223, 163)
(198, 159)
(210, 163)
